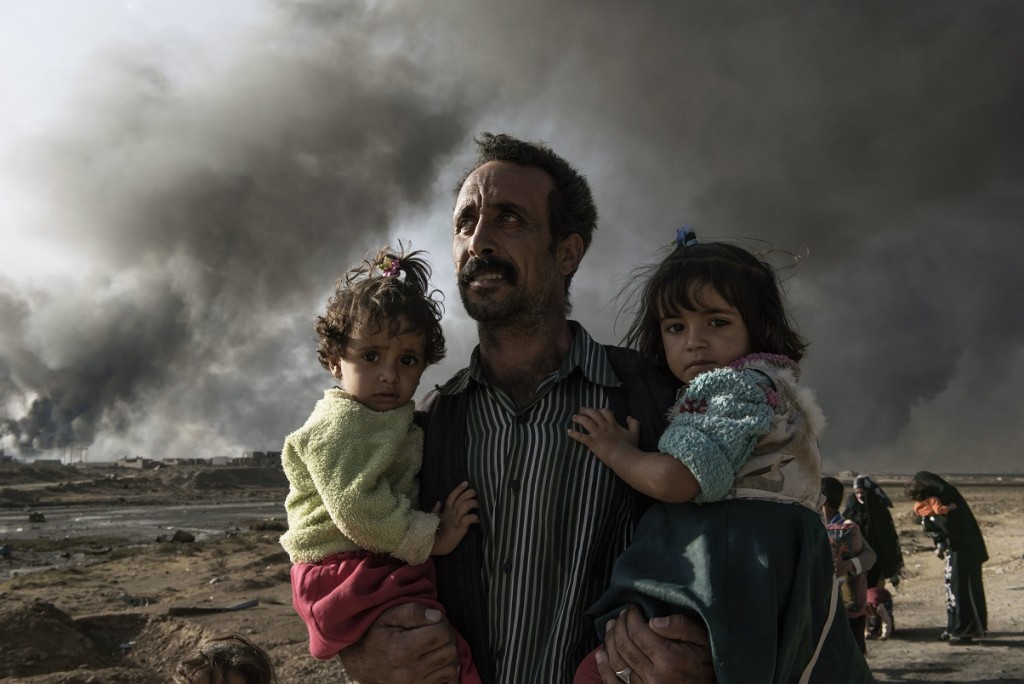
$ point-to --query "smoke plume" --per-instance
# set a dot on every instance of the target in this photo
(881, 144)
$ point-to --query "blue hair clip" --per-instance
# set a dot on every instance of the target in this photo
(685, 237)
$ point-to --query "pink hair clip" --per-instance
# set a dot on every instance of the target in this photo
(390, 267)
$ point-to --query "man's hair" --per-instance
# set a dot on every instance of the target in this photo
(833, 491)
(218, 656)
(571, 209)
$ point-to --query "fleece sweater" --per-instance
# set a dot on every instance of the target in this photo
(352, 475)
(749, 430)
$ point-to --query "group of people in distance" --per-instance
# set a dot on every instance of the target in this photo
(562, 510)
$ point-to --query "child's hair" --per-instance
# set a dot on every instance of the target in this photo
(219, 656)
(375, 294)
(744, 281)
(833, 491)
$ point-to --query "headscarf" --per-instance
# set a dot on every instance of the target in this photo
(876, 523)
(964, 533)
(866, 483)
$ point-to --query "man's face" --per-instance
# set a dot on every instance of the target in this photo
(507, 271)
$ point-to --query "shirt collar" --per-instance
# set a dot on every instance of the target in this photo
(584, 353)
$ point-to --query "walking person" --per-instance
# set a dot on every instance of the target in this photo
(966, 611)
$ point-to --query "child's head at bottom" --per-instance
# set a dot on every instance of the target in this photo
(227, 659)
(708, 304)
(381, 329)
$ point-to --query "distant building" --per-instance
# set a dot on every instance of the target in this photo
(185, 461)
(136, 462)
(261, 459)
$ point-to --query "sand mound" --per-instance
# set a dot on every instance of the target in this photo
(120, 647)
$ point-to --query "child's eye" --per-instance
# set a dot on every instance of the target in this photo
(371, 356)
(718, 322)
(409, 360)
(674, 328)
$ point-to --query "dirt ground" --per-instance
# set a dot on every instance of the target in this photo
(116, 613)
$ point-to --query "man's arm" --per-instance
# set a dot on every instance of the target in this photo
(407, 643)
(673, 649)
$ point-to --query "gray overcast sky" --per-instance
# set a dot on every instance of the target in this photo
(179, 187)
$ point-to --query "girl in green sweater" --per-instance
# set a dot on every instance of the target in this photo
(357, 542)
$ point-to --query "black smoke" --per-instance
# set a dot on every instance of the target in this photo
(880, 143)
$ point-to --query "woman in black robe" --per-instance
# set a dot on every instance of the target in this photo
(967, 616)
(868, 506)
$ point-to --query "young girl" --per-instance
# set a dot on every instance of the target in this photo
(735, 535)
(357, 544)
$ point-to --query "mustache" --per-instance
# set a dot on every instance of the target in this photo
(478, 266)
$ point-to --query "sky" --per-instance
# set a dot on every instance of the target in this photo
(181, 183)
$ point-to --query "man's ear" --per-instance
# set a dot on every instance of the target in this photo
(570, 254)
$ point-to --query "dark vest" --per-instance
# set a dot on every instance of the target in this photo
(645, 394)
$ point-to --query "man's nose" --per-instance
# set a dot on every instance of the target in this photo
(482, 240)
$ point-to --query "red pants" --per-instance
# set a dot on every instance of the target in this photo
(341, 597)
(587, 672)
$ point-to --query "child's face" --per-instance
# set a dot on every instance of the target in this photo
(699, 341)
(381, 371)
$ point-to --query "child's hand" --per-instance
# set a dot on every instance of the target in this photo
(604, 436)
(456, 518)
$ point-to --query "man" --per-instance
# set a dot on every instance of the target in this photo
(553, 518)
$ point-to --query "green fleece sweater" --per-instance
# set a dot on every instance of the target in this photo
(353, 483)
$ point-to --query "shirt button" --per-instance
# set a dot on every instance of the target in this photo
(522, 418)
(514, 486)
(499, 654)
(506, 567)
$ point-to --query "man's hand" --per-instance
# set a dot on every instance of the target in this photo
(407, 643)
(673, 649)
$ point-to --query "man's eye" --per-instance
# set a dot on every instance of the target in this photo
(464, 224)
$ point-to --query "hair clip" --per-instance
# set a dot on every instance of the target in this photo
(685, 237)
(390, 267)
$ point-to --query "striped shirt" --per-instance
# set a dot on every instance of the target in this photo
(553, 517)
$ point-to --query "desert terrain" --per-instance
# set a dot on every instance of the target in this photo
(82, 605)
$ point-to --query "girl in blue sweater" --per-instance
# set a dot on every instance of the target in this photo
(734, 535)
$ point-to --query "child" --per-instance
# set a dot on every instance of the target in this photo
(934, 521)
(357, 544)
(748, 553)
(228, 659)
(880, 605)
